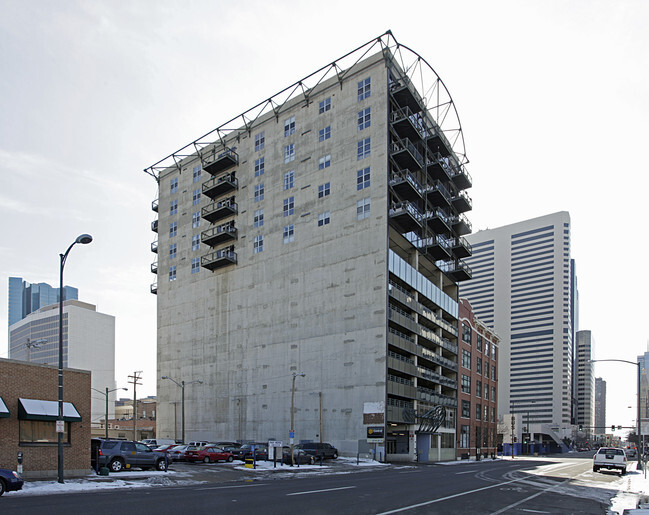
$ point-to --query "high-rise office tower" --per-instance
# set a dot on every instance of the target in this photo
(600, 406)
(25, 297)
(522, 287)
(308, 256)
(585, 381)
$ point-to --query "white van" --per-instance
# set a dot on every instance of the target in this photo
(157, 442)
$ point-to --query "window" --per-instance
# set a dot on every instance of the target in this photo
(172, 251)
(478, 365)
(364, 89)
(466, 409)
(478, 388)
(173, 229)
(289, 206)
(486, 347)
(493, 372)
(41, 431)
(363, 178)
(466, 359)
(493, 351)
(464, 437)
(486, 414)
(289, 153)
(478, 343)
(486, 370)
(324, 106)
(173, 207)
(196, 198)
(324, 190)
(364, 119)
(196, 265)
(466, 384)
(197, 173)
(486, 391)
(196, 242)
(172, 273)
(289, 177)
(466, 333)
(493, 414)
(324, 218)
(289, 232)
(478, 411)
(493, 393)
(196, 219)
(363, 149)
(289, 126)
(258, 244)
(260, 141)
(259, 192)
(258, 220)
(324, 162)
(324, 133)
(174, 185)
(259, 167)
(363, 209)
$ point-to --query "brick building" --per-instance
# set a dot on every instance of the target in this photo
(478, 386)
(28, 416)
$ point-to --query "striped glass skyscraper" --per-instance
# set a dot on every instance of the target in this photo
(25, 298)
(522, 286)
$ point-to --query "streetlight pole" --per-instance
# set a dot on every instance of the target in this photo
(639, 433)
(182, 385)
(60, 424)
(295, 374)
(106, 394)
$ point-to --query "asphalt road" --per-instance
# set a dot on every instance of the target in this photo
(494, 487)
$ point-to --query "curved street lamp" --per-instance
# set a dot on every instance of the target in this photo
(84, 239)
(182, 385)
(295, 374)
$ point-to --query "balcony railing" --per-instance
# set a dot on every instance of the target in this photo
(405, 183)
(154, 288)
(218, 186)
(219, 210)
(154, 205)
(154, 226)
(405, 153)
(219, 258)
(406, 215)
(220, 234)
(462, 202)
(462, 178)
(154, 246)
(214, 163)
(154, 267)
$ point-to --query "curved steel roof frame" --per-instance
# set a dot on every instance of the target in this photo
(432, 90)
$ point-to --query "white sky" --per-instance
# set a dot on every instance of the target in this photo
(552, 96)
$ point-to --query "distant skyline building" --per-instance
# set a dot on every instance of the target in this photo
(25, 297)
(88, 344)
(643, 359)
(585, 381)
(523, 286)
(600, 406)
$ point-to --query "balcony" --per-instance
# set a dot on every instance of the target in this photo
(154, 205)
(221, 234)
(437, 142)
(438, 195)
(401, 390)
(426, 395)
(154, 246)
(214, 163)
(457, 270)
(404, 96)
(436, 246)
(154, 288)
(438, 221)
(406, 124)
(431, 375)
(438, 359)
(219, 210)
(154, 226)
(405, 153)
(462, 202)
(218, 186)
(461, 178)
(219, 259)
(406, 215)
(461, 225)
(154, 267)
(439, 167)
(404, 183)
(461, 248)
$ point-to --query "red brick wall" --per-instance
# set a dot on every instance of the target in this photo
(32, 381)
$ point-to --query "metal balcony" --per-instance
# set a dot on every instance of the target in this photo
(219, 259)
(457, 270)
(218, 186)
(214, 163)
(437, 142)
(461, 248)
(437, 246)
(405, 153)
(438, 221)
(439, 167)
(405, 184)
(154, 246)
(154, 267)
(461, 225)
(219, 210)
(461, 178)
(404, 96)
(406, 124)
(154, 205)
(221, 234)
(154, 288)
(406, 215)
(154, 226)
(438, 194)
(462, 202)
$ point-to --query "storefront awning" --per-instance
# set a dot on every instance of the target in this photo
(4, 411)
(35, 409)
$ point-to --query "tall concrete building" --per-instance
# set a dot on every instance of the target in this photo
(600, 406)
(309, 253)
(88, 344)
(25, 297)
(585, 381)
(522, 287)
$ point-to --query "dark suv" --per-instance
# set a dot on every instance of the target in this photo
(118, 455)
(326, 450)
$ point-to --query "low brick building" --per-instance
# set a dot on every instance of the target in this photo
(28, 413)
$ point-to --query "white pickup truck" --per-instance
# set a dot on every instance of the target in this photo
(610, 458)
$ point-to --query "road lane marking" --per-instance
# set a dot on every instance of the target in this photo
(467, 472)
(226, 487)
(325, 490)
(503, 510)
(413, 506)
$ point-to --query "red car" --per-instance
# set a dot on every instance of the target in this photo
(208, 455)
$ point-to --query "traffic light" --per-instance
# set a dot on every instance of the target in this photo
(581, 427)
(613, 427)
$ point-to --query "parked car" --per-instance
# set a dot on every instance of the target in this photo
(299, 456)
(209, 454)
(10, 481)
(245, 451)
(118, 455)
(317, 449)
(199, 443)
(631, 452)
(157, 442)
(177, 452)
(164, 448)
(223, 445)
(610, 458)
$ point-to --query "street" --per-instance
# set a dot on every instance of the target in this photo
(557, 485)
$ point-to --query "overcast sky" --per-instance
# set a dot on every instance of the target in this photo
(553, 98)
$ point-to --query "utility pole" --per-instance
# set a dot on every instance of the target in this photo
(135, 378)
(513, 428)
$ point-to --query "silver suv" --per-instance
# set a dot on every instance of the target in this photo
(118, 455)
